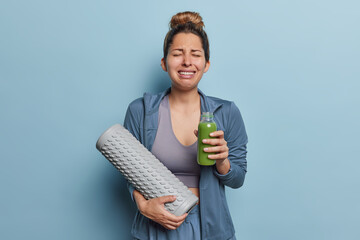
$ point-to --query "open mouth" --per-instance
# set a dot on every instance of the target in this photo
(187, 73)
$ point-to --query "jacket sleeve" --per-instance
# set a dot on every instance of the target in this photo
(236, 137)
(132, 123)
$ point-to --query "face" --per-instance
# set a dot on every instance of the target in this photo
(185, 61)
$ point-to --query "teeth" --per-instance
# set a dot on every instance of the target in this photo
(186, 73)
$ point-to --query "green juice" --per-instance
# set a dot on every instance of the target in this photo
(206, 126)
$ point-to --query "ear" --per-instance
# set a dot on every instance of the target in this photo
(207, 65)
(163, 64)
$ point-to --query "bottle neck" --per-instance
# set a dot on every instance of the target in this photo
(207, 117)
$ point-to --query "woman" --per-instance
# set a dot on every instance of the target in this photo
(166, 124)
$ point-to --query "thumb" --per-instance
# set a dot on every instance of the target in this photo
(168, 198)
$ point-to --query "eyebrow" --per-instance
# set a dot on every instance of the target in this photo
(192, 50)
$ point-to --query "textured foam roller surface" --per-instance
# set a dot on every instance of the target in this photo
(143, 170)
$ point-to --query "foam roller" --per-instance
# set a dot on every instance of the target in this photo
(143, 170)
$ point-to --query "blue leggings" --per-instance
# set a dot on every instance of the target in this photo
(189, 229)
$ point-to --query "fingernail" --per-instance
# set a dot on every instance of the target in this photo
(205, 149)
(211, 134)
(204, 141)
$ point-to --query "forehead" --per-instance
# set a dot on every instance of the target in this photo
(186, 40)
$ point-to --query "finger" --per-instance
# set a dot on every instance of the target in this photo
(174, 225)
(169, 227)
(219, 133)
(215, 141)
(182, 217)
(166, 199)
(169, 220)
(175, 219)
(218, 149)
(220, 156)
(178, 224)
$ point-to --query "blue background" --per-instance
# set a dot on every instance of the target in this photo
(68, 70)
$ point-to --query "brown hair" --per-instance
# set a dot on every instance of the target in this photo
(187, 22)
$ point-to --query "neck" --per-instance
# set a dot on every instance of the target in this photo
(184, 100)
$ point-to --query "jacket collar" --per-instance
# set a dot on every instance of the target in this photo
(152, 102)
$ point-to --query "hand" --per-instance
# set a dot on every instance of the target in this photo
(220, 148)
(154, 209)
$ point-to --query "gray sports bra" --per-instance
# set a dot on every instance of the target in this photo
(179, 159)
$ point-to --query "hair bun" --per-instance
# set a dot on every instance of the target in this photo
(185, 17)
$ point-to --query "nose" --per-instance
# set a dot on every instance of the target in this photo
(187, 60)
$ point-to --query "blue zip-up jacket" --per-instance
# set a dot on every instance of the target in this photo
(142, 121)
